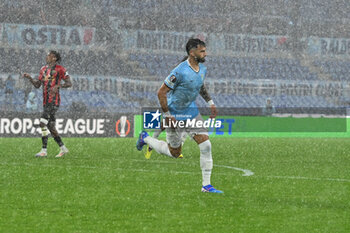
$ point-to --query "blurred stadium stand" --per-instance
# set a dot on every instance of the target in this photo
(111, 57)
(231, 67)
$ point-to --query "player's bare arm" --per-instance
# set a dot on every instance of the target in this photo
(36, 83)
(67, 83)
(162, 97)
(205, 95)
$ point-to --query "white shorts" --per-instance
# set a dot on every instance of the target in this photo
(175, 137)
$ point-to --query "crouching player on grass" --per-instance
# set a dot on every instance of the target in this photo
(50, 77)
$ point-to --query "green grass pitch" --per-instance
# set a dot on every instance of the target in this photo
(106, 185)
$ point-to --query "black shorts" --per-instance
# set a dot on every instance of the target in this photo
(49, 112)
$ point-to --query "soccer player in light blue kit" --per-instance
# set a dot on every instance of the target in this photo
(183, 85)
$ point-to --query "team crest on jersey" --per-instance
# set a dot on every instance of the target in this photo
(173, 79)
(47, 77)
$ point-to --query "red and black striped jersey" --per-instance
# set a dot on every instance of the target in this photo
(49, 78)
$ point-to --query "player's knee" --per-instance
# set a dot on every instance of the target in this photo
(200, 138)
(205, 146)
(43, 122)
(175, 152)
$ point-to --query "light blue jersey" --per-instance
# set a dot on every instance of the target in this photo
(185, 84)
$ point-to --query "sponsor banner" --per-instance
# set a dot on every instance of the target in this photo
(247, 44)
(167, 41)
(264, 87)
(44, 36)
(273, 126)
(116, 85)
(330, 47)
(92, 125)
(279, 88)
(153, 120)
(236, 86)
(157, 40)
(113, 84)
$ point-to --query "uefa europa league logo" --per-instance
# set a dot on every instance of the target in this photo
(124, 124)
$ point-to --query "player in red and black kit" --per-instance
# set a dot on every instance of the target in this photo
(50, 77)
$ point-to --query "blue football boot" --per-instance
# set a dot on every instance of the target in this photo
(210, 189)
(140, 143)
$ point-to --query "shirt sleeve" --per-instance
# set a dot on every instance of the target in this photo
(65, 73)
(41, 74)
(173, 79)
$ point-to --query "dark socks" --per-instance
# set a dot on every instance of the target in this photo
(59, 141)
(44, 139)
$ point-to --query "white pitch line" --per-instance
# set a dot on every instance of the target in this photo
(245, 171)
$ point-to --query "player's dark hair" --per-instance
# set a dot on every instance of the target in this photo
(191, 44)
(57, 55)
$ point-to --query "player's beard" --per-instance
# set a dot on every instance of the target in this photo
(200, 60)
